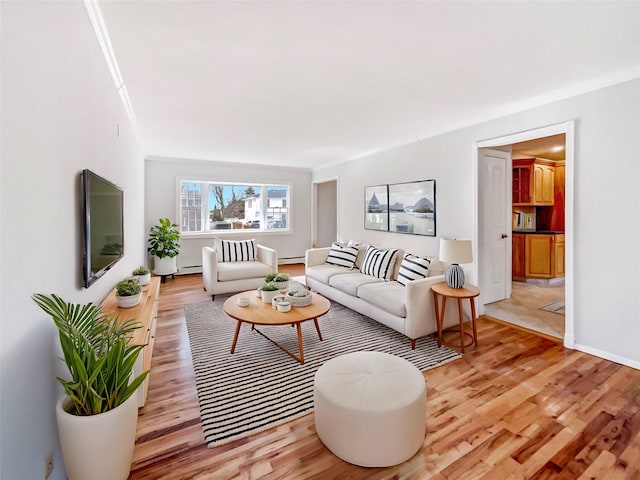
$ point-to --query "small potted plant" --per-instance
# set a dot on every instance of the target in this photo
(164, 246)
(128, 292)
(268, 291)
(280, 279)
(142, 274)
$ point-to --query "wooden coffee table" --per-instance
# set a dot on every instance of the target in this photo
(260, 313)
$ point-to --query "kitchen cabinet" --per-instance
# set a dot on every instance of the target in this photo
(518, 256)
(544, 255)
(532, 182)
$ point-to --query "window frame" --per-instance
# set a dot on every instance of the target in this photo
(206, 186)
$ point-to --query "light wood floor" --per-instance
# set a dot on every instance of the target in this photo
(517, 406)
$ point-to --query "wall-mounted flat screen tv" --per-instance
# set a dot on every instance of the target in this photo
(103, 229)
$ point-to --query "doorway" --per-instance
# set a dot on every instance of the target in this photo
(525, 299)
(325, 213)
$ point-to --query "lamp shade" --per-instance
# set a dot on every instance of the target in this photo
(455, 251)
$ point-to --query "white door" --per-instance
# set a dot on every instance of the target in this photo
(494, 236)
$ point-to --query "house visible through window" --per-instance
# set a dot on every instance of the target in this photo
(211, 206)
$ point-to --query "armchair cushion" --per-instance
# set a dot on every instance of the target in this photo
(241, 270)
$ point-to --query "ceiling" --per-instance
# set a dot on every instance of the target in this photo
(310, 83)
(551, 148)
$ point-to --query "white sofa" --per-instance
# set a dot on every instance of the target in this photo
(407, 309)
(225, 277)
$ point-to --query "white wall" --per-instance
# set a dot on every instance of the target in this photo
(161, 175)
(60, 114)
(607, 202)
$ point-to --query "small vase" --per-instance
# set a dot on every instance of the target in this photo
(268, 295)
(143, 279)
(128, 302)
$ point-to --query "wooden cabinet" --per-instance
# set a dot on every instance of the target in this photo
(518, 256)
(532, 182)
(146, 312)
(544, 256)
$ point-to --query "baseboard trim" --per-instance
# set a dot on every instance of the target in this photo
(608, 356)
(523, 329)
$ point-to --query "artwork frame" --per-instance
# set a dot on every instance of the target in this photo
(376, 207)
(412, 207)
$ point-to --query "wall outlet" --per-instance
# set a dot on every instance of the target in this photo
(48, 465)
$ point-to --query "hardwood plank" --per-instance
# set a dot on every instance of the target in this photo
(516, 406)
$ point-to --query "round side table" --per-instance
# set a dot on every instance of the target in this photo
(467, 291)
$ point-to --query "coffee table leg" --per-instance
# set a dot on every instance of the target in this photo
(315, 321)
(235, 336)
(300, 348)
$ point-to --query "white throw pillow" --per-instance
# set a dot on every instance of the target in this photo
(342, 255)
(236, 250)
(379, 263)
(413, 268)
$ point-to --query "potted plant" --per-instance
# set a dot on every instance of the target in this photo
(164, 246)
(280, 279)
(128, 292)
(268, 291)
(98, 415)
(142, 274)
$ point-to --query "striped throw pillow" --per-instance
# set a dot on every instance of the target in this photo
(379, 263)
(413, 268)
(344, 256)
(236, 250)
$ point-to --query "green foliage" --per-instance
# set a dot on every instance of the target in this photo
(276, 277)
(97, 353)
(269, 287)
(128, 287)
(141, 270)
(163, 239)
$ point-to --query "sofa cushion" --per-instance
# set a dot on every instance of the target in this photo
(236, 250)
(323, 272)
(436, 267)
(342, 255)
(379, 263)
(349, 283)
(389, 296)
(241, 270)
(413, 268)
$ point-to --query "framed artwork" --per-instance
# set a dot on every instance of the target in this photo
(376, 208)
(412, 208)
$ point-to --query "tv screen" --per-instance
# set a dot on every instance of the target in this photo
(103, 236)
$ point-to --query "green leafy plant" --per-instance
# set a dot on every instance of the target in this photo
(163, 239)
(141, 270)
(276, 277)
(269, 287)
(128, 287)
(97, 353)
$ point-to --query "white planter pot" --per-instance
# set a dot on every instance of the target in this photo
(98, 447)
(128, 302)
(267, 296)
(164, 266)
(143, 279)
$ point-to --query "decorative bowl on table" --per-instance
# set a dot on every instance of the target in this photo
(299, 298)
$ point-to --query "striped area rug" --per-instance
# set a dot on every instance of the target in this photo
(259, 386)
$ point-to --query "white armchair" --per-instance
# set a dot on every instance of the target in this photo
(226, 277)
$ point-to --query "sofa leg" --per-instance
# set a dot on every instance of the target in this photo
(213, 297)
(413, 344)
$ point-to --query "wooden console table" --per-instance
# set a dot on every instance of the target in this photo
(146, 312)
(445, 291)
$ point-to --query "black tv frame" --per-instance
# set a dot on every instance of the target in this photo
(90, 276)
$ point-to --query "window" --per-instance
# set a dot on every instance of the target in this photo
(211, 206)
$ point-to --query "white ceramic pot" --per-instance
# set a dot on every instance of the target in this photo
(128, 302)
(98, 447)
(164, 266)
(267, 296)
(143, 279)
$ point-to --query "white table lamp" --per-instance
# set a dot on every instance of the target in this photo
(455, 252)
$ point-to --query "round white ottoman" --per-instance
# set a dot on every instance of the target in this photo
(370, 408)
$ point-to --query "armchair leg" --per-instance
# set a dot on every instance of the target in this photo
(413, 344)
